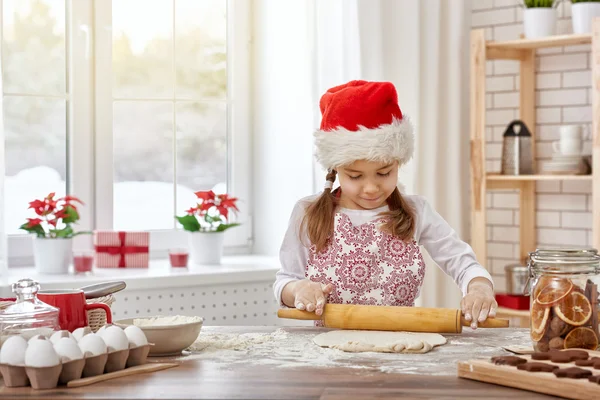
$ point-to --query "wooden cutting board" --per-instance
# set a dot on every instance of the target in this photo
(541, 382)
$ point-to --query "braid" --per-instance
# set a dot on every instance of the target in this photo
(320, 215)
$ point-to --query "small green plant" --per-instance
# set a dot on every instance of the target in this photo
(541, 3)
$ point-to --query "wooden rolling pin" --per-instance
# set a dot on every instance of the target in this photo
(389, 318)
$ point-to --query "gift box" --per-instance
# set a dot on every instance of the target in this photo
(116, 249)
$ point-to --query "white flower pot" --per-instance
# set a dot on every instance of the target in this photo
(582, 16)
(52, 255)
(539, 22)
(206, 248)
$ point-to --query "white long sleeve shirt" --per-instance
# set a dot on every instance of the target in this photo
(450, 253)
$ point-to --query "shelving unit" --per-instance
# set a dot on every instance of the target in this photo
(523, 50)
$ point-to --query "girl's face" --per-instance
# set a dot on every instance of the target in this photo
(367, 184)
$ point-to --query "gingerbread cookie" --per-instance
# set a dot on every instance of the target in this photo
(573, 373)
(585, 363)
(540, 356)
(537, 367)
(568, 356)
(508, 360)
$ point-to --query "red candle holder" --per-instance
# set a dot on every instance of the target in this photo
(178, 258)
(83, 261)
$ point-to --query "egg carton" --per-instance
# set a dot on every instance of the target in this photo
(92, 364)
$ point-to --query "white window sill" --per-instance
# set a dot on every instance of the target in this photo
(159, 275)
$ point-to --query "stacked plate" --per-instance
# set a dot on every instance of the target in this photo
(563, 164)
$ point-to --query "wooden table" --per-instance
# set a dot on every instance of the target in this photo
(286, 365)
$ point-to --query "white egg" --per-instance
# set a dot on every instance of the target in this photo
(136, 336)
(59, 335)
(92, 345)
(37, 337)
(115, 338)
(68, 349)
(102, 328)
(41, 353)
(13, 351)
(81, 332)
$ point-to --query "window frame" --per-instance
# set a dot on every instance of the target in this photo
(89, 127)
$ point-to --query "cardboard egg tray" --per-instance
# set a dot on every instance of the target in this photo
(51, 377)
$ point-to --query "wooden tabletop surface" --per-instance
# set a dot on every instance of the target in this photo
(217, 377)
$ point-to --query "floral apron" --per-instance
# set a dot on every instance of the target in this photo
(367, 266)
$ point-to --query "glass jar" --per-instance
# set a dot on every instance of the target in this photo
(564, 298)
(28, 316)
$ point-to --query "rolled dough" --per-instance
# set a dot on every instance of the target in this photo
(378, 341)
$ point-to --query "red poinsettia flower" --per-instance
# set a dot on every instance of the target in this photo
(224, 203)
(191, 211)
(31, 222)
(62, 213)
(206, 196)
(69, 201)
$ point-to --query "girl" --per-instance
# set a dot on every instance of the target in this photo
(359, 244)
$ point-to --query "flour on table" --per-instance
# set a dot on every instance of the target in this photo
(380, 342)
(234, 341)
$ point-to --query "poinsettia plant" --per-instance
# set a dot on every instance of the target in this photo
(211, 213)
(54, 217)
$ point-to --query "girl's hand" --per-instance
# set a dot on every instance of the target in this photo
(310, 296)
(479, 302)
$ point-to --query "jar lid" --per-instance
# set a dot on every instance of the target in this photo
(568, 259)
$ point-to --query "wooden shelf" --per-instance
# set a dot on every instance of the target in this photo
(517, 49)
(551, 41)
(523, 51)
(498, 177)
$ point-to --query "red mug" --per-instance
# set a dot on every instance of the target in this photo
(72, 307)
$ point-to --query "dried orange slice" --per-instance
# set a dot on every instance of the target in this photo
(575, 309)
(581, 338)
(555, 291)
(539, 320)
(544, 281)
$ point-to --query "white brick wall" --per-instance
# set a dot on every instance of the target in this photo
(563, 95)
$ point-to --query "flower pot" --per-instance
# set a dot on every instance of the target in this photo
(206, 248)
(52, 255)
(539, 22)
(582, 16)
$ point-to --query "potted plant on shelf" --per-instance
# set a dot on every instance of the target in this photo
(539, 18)
(206, 224)
(583, 13)
(53, 229)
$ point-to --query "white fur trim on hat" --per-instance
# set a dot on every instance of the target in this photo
(385, 143)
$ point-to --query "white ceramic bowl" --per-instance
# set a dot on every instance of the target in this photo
(168, 340)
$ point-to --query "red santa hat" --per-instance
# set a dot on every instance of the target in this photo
(362, 121)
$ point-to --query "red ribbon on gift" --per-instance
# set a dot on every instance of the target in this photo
(122, 250)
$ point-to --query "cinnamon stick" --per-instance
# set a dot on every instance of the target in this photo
(591, 292)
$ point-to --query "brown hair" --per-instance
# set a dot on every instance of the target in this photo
(320, 215)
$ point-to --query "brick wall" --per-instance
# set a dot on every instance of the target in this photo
(563, 88)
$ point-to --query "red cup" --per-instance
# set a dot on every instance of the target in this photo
(72, 307)
(83, 261)
(178, 257)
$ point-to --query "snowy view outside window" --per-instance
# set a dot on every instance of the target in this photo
(169, 97)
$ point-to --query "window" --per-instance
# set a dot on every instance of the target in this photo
(131, 105)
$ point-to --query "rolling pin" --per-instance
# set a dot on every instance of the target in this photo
(390, 318)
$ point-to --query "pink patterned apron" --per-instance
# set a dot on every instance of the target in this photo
(367, 266)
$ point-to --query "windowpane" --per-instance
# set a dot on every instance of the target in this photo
(201, 150)
(34, 46)
(200, 48)
(143, 165)
(142, 48)
(36, 156)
